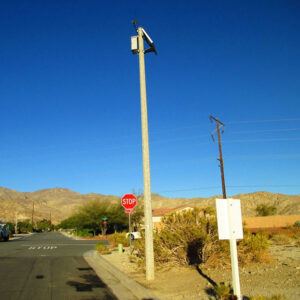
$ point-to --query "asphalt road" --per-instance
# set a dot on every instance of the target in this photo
(46, 266)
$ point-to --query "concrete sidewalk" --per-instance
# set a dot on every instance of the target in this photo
(120, 284)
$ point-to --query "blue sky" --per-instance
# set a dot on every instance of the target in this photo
(70, 106)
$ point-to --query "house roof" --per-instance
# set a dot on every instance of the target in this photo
(159, 212)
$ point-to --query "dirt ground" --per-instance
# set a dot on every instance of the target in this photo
(280, 277)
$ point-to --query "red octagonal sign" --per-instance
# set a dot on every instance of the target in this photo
(128, 201)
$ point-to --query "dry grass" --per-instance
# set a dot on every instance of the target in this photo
(280, 239)
(273, 297)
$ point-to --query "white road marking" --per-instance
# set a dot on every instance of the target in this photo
(25, 245)
(41, 247)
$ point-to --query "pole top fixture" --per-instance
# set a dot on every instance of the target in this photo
(134, 23)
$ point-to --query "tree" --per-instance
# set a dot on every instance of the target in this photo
(118, 220)
(266, 210)
(43, 225)
(90, 215)
(25, 226)
(11, 228)
(74, 221)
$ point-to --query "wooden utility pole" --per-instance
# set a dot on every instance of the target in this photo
(232, 241)
(16, 226)
(32, 214)
(220, 159)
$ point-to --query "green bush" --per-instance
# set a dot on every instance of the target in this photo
(266, 210)
(85, 232)
(11, 228)
(297, 224)
(102, 249)
(118, 238)
(25, 226)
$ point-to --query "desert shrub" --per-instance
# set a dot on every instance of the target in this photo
(253, 248)
(297, 224)
(221, 291)
(118, 238)
(191, 238)
(102, 249)
(266, 210)
(186, 238)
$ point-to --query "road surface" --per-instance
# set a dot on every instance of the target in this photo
(46, 266)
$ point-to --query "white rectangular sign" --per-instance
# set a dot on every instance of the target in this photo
(229, 218)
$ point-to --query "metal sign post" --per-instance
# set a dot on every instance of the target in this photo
(129, 215)
(230, 228)
(128, 201)
(233, 252)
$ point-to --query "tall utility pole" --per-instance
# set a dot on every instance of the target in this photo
(16, 226)
(220, 152)
(32, 213)
(232, 242)
(137, 47)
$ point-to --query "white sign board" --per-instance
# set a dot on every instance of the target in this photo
(229, 218)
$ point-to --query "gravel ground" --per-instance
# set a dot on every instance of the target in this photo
(280, 277)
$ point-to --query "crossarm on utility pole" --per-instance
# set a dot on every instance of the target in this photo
(220, 153)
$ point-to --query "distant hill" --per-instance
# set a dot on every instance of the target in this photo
(61, 203)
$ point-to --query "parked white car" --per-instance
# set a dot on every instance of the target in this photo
(134, 235)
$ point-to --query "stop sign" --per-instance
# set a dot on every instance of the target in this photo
(128, 201)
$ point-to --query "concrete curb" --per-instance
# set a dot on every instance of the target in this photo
(120, 284)
(20, 236)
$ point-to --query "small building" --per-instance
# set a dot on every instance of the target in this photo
(158, 213)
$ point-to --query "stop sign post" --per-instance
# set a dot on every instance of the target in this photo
(128, 201)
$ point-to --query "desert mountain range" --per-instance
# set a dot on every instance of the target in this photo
(61, 203)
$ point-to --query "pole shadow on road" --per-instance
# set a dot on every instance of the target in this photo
(89, 282)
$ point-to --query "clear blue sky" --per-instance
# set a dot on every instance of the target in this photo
(70, 110)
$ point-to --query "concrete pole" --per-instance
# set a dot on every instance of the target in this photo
(146, 164)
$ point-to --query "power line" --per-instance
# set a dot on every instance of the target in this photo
(263, 140)
(266, 130)
(264, 121)
(229, 186)
(167, 140)
(233, 122)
